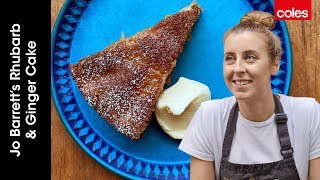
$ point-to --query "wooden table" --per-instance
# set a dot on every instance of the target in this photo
(69, 161)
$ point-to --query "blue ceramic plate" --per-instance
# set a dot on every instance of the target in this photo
(85, 27)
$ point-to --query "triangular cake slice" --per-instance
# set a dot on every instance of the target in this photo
(123, 81)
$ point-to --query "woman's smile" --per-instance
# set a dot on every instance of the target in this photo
(242, 84)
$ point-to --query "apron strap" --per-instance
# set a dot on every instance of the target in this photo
(231, 127)
(282, 128)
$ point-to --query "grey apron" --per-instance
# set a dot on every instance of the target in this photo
(284, 169)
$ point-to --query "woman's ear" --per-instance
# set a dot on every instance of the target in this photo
(275, 66)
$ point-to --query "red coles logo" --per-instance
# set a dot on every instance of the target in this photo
(292, 9)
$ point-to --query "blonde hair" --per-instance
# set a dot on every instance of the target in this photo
(261, 22)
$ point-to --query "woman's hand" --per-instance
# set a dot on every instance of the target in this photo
(200, 169)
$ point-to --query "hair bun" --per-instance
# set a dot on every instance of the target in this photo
(259, 17)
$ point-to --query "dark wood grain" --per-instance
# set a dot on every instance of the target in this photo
(305, 42)
(69, 161)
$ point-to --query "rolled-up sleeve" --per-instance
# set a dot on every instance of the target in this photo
(196, 140)
(315, 132)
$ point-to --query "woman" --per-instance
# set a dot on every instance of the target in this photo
(254, 134)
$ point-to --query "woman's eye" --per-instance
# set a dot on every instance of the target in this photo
(250, 57)
(230, 58)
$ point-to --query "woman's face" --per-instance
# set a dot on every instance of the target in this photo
(247, 67)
